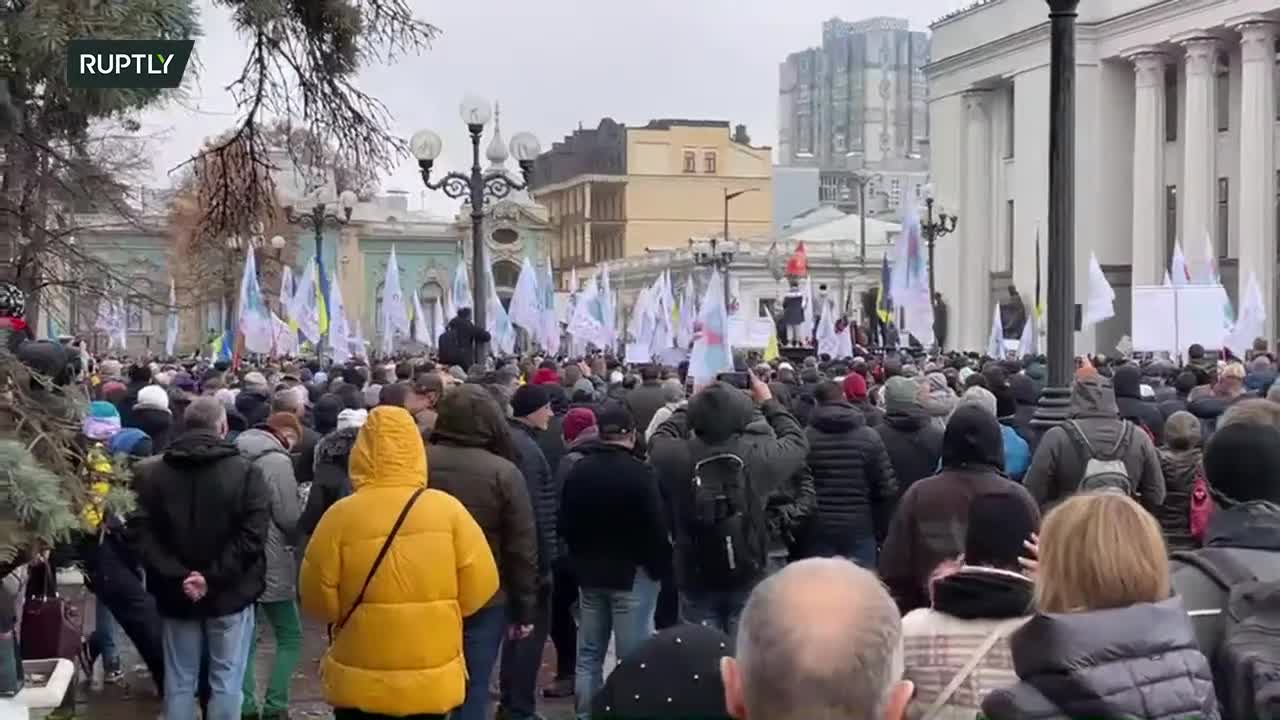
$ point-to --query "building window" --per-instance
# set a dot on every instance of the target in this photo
(1008, 231)
(1224, 215)
(1170, 220)
(690, 161)
(1170, 103)
(709, 162)
(1222, 92)
(1009, 127)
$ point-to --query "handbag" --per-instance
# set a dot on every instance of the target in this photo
(988, 642)
(51, 626)
(382, 553)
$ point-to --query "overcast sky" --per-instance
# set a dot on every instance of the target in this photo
(554, 64)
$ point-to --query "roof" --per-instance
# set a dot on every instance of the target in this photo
(668, 123)
(847, 228)
(813, 216)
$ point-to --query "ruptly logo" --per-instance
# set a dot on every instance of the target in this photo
(127, 63)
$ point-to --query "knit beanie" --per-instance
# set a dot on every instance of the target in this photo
(529, 399)
(981, 397)
(102, 422)
(577, 420)
(998, 525)
(152, 397)
(1242, 462)
(900, 394)
(546, 376)
(855, 387)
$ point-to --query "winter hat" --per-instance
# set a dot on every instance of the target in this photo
(972, 437)
(937, 382)
(900, 394)
(615, 419)
(321, 378)
(326, 412)
(981, 397)
(529, 399)
(255, 381)
(998, 525)
(546, 376)
(114, 390)
(102, 422)
(152, 397)
(1024, 389)
(1006, 402)
(577, 420)
(674, 674)
(352, 418)
(1242, 462)
(718, 412)
(855, 387)
(227, 397)
(130, 441)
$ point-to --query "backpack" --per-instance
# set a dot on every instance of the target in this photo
(1105, 472)
(1246, 663)
(726, 530)
(1200, 508)
(449, 347)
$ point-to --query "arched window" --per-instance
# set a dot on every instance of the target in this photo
(431, 294)
(505, 276)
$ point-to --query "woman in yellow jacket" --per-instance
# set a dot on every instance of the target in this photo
(399, 653)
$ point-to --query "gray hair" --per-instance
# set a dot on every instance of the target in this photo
(290, 400)
(1254, 410)
(981, 397)
(1182, 431)
(672, 390)
(843, 660)
(205, 413)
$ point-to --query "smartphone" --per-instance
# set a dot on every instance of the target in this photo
(740, 380)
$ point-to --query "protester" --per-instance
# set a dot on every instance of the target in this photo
(854, 480)
(1183, 384)
(474, 459)
(913, 441)
(395, 607)
(293, 400)
(1016, 452)
(1106, 640)
(152, 415)
(1026, 401)
(613, 522)
(647, 397)
(673, 398)
(931, 519)
(253, 402)
(201, 529)
(819, 639)
(457, 345)
(1209, 405)
(1144, 413)
(1180, 464)
(424, 395)
(940, 400)
(332, 479)
(855, 391)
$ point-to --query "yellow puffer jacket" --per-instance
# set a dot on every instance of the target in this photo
(401, 651)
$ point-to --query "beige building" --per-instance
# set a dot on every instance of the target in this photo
(617, 191)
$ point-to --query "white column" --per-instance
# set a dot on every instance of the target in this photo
(1148, 167)
(1257, 162)
(1196, 196)
(974, 304)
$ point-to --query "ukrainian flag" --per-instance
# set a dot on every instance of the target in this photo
(884, 301)
(322, 295)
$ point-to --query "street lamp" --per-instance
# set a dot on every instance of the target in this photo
(721, 254)
(934, 229)
(478, 186)
(320, 215)
(862, 178)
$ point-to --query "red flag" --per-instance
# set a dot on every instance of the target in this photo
(798, 263)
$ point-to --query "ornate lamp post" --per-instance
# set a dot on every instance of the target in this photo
(320, 215)
(862, 178)
(944, 224)
(477, 186)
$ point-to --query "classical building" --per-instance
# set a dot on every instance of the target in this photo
(857, 104)
(1176, 110)
(616, 191)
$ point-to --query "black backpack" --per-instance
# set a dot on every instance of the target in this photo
(449, 347)
(1246, 664)
(726, 524)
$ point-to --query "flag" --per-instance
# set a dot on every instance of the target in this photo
(1179, 273)
(664, 333)
(909, 281)
(995, 339)
(421, 330)
(610, 308)
(171, 323)
(254, 319)
(324, 300)
(395, 318)
(1253, 319)
(304, 308)
(1029, 342)
(550, 320)
(1039, 306)
(1209, 273)
(112, 322)
(284, 338)
(587, 323)
(287, 291)
(884, 299)
(712, 353)
(639, 330)
(1100, 303)
(826, 335)
(339, 329)
(525, 304)
(497, 322)
(220, 348)
(461, 292)
(688, 314)
(1168, 281)
(798, 263)
(771, 351)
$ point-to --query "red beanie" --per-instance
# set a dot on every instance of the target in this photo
(546, 376)
(855, 387)
(576, 421)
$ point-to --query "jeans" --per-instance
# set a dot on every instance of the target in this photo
(287, 628)
(861, 550)
(226, 639)
(564, 629)
(719, 609)
(103, 639)
(521, 660)
(482, 635)
(627, 615)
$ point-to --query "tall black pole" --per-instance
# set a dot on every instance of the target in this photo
(317, 217)
(930, 235)
(724, 265)
(862, 222)
(479, 292)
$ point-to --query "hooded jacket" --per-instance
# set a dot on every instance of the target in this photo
(852, 474)
(1179, 468)
(1139, 661)
(932, 518)
(437, 571)
(914, 444)
(332, 481)
(1059, 462)
(156, 423)
(644, 400)
(254, 405)
(266, 452)
(1131, 406)
(542, 492)
(1025, 400)
(467, 334)
(204, 508)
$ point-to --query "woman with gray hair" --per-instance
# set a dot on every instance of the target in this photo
(1180, 462)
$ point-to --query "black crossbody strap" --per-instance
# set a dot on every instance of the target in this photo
(386, 545)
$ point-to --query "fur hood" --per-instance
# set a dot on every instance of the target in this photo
(336, 446)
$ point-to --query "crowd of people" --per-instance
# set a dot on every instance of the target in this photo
(884, 536)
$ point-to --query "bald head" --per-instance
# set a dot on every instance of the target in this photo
(821, 638)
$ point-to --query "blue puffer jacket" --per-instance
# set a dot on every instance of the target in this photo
(1017, 453)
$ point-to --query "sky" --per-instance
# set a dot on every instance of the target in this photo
(552, 65)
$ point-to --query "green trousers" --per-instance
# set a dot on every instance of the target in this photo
(286, 626)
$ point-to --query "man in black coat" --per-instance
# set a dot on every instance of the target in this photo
(1145, 413)
(853, 478)
(913, 442)
(644, 400)
(201, 531)
(458, 342)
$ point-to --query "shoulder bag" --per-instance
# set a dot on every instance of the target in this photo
(981, 653)
(382, 553)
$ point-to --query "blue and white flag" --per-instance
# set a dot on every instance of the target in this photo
(395, 318)
(171, 323)
(254, 318)
(712, 353)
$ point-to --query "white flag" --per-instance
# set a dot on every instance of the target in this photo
(587, 325)
(1252, 321)
(283, 337)
(421, 328)
(1208, 274)
(525, 304)
(304, 307)
(171, 324)
(826, 335)
(339, 330)
(1100, 303)
(287, 291)
(1179, 273)
(395, 318)
(111, 321)
(610, 307)
(688, 315)
(497, 321)
(437, 322)
(1168, 281)
(1029, 343)
(251, 312)
(995, 338)
(712, 353)
(460, 292)
(550, 335)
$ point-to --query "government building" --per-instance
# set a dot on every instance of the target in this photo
(1176, 121)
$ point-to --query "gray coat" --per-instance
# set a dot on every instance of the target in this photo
(1140, 661)
(271, 458)
(1059, 462)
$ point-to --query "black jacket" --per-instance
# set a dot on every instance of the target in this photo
(254, 406)
(202, 507)
(464, 354)
(304, 456)
(1179, 468)
(330, 478)
(914, 444)
(156, 423)
(644, 400)
(1209, 409)
(542, 492)
(612, 519)
(852, 474)
(1139, 661)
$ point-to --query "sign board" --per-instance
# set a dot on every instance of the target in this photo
(1171, 319)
